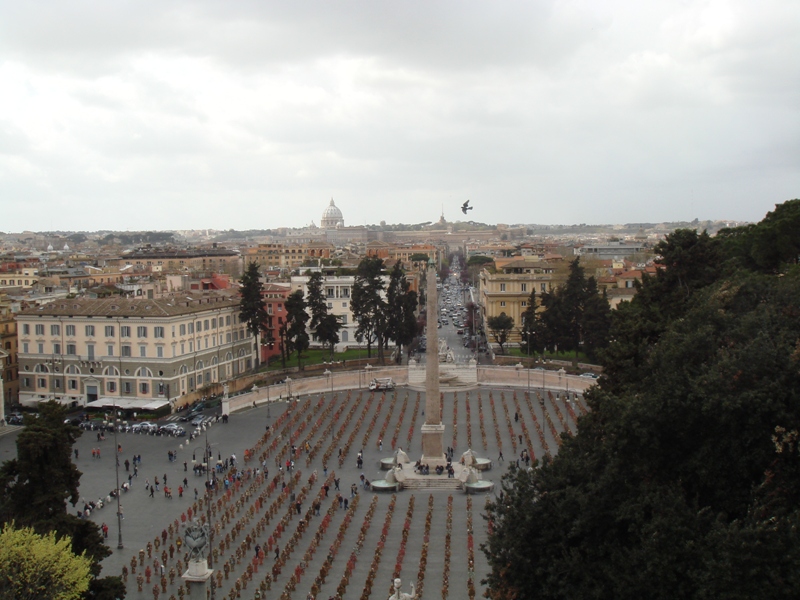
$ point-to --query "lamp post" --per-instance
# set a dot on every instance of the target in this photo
(116, 473)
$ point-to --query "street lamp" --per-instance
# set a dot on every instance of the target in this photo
(116, 472)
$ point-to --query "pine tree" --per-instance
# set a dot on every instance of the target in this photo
(251, 304)
(296, 319)
(368, 305)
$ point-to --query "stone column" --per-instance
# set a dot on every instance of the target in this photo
(197, 578)
(432, 429)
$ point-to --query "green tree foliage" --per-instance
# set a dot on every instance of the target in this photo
(295, 331)
(500, 326)
(401, 305)
(40, 567)
(479, 261)
(769, 245)
(367, 304)
(251, 303)
(325, 325)
(37, 486)
(576, 315)
(419, 257)
(684, 479)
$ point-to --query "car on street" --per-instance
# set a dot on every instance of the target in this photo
(144, 427)
(172, 429)
(14, 419)
(198, 420)
(589, 375)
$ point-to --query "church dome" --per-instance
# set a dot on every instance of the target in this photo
(332, 217)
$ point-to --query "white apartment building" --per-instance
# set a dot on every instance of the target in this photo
(337, 290)
(78, 351)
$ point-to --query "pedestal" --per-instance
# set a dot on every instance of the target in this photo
(197, 579)
(432, 445)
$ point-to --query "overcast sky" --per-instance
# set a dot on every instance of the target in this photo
(190, 114)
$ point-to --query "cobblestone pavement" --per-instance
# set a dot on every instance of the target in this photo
(345, 548)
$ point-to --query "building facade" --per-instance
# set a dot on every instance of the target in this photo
(77, 351)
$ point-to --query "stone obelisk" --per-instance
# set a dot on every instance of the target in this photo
(432, 429)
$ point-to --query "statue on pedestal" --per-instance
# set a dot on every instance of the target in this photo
(398, 595)
(195, 536)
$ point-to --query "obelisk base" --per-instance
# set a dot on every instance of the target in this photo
(432, 446)
(197, 578)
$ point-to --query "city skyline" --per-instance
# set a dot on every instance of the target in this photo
(197, 115)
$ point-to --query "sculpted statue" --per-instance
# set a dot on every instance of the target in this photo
(398, 595)
(195, 536)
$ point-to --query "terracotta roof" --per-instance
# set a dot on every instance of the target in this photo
(179, 304)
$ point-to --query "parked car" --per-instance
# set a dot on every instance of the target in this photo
(589, 375)
(172, 429)
(381, 383)
(144, 427)
(14, 419)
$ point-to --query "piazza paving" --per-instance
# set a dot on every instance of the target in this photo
(429, 537)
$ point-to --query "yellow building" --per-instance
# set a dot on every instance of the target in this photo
(77, 351)
(508, 290)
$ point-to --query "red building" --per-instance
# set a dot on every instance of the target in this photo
(274, 295)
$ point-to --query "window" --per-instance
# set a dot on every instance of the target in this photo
(125, 331)
(90, 331)
(158, 332)
(55, 329)
(205, 325)
(544, 287)
(90, 351)
(56, 348)
(25, 347)
(191, 345)
(72, 350)
(70, 330)
(343, 319)
(126, 350)
(40, 330)
(524, 287)
(72, 384)
(109, 331)
(143, 351)
(40, 348)
(502, 287)
(523, 303)
(143, 388)
(160, 351)
(329, 292)
(228, 320)
(141, 331)
(111, 386)
(57, 384)
(110, 350)
(330, 304)
(191, 327)
(183, 329)
(344, 304)
(26, 382)
(213, 323)
(26, 329)
(227, 339)
(502, 304)
(41, 382)
(126, 387)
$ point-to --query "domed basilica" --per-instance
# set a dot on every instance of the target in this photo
(332, 217)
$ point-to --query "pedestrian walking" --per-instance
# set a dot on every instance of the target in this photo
(336, 484)
(277, 552)
(76, 454)
(500, 458)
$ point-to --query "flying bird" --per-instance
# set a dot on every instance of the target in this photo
(465, 207)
